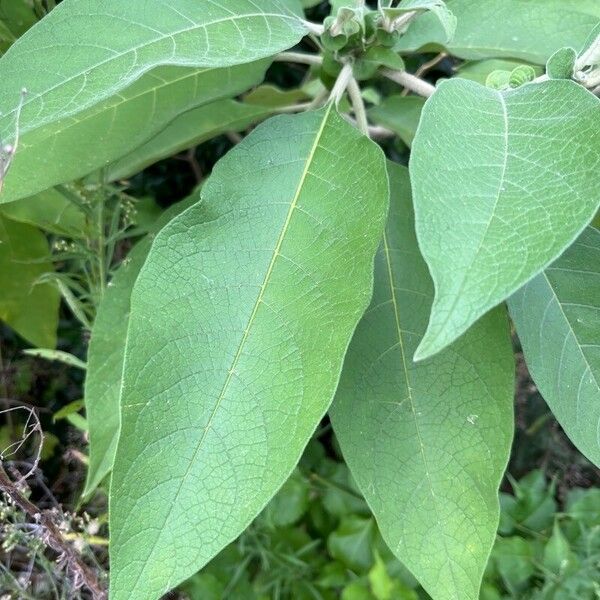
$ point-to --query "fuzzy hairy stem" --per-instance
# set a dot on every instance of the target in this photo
(413, 83)
(299, 57)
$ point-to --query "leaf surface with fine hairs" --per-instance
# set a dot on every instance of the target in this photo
(503, 183)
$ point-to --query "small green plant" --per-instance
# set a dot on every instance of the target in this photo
(313, 272)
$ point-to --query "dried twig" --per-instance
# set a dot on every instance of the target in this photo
(52, 537)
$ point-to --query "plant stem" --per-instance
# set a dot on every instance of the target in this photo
(414, 84)
(315, 28)
(299, 57)
(53, 537)
(358, 106)
(341, 83)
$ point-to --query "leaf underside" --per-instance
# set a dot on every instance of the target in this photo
(530, 30)
(557, 316)
(503, 183)
(239, 323)
(427, 443)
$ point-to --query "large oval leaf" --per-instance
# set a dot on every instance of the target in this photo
(530, 30)
(427, 443)
(75, 146)
(503, 182)
(117, 43)
(239, 323)
(557, 316)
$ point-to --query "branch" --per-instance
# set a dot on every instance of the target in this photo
(414, 84)
(315, 28)
(341, 83)
(53, 538)
(299, 57)
(358, 106)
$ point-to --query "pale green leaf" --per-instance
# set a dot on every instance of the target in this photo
(504, 182)
(31, 309)
(50, 210)
(106, 353)
(557, 316)
(426, 442)
(480, 70)
(75, 146)
(561, 64)
(188, 130)
(401, 114)
(239, 323)
(530, 30)
(117, 44)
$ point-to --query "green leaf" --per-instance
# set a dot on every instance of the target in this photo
(160, 39)
(239, 323)
(50, 210)
(556, 316)
(106, 354)
(16, 17)
(480, 70)
(31, 309)
(561, 64)
(514, 558)
(75, 146)
(530, 30)
(426, 442)
(401, 114)
(188, 130)
(289, 504)
(351, 543)
(503, 183)
(557, 552)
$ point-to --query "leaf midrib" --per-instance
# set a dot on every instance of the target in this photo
(411, 399)
(251, 319)
(126, 81)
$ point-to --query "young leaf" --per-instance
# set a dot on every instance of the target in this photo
(426, 442)
(530, 30)
(480, 70)
(106, 354)
(188, 130)
(239, 323)
(119, 42)
(31, 309)
(561, 64)
(556, 316)
(503, 182)
(401, 114)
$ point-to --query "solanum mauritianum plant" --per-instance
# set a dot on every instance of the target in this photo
(310, 274)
